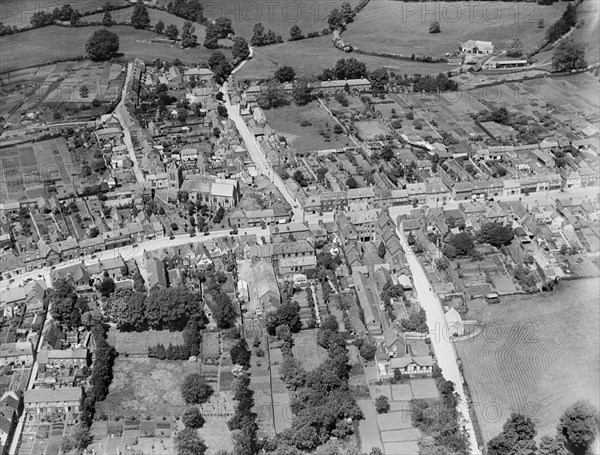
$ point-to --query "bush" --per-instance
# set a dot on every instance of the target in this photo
(382, 405)
(192, 418)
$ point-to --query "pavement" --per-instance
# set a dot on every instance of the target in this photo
(130, 252)
(122, 115)
(443, 346)
(259, 158)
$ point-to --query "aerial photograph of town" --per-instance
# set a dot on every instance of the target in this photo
(299, 227)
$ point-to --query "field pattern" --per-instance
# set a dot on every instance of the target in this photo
(312, 56)
(536, 355)
(45, 45)
(403, 28)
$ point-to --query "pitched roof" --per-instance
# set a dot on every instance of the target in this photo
(53, 395)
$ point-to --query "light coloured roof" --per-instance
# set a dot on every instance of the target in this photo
(64, 394)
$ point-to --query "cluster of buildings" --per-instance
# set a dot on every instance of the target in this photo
(43, 366)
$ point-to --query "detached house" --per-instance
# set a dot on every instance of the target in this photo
(412, 366)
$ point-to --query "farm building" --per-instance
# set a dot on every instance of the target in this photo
(477, 47)
(501, 64)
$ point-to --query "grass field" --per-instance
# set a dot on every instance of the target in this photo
(19, 12)
(536, 355)
(307, 351)
(312, 56)
(286, 121)
(589, 35)
(137, 343)
(403, 28)
(143, 386)
(41, 46)
(124, 15)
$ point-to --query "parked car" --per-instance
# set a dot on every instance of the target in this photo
(207, 233)
(233, 232)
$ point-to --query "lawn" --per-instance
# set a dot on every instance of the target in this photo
(307, 351)
(403, 28)
(312, 56)
(536, 355)
(286, 121)
(143, 386)
(137, 343)
(44, 45)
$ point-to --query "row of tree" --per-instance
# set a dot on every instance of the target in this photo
(323, 406)
(576, 432)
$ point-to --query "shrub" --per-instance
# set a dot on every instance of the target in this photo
(382, 405)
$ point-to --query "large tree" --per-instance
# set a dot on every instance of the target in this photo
(579, 426)
(302, 91)
(350, 69)
(517, 437)
(188, 39)
(496, 234)
(569, 55)
(127, 309)
(195, 389)
(188, 442)
(224, 312)
(240, 354)
(172, 307)
(192, 418)
(285, 74)
(172, 32)
(240, 49)
(140, 18)
(102, 45)
(296, 33)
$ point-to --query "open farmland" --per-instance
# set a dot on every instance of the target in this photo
(588, 34)
(286, 121)
(403, 28)
(312, 56)
(18, 12)
(536, 355)
(44, 45)
(124, 15)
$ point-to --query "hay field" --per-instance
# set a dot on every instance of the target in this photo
(19, 12)
(312, 56)
(403, 28)
(45, 45)
(536, 355)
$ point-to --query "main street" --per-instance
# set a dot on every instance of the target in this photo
(129, 252)
(122, 115)
(257, 155)
(443, 346)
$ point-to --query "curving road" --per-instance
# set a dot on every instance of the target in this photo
(440, 339)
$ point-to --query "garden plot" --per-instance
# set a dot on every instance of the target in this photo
(371, 129)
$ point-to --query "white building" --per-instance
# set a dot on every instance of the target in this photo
(477, 47)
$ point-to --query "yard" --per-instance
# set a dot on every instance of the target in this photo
(45, 45)
(537, 354)
(137, 343)
(143, 386)
(403, 28)
(24, 167)
(312, 56)
(307, 351)
(287, 122)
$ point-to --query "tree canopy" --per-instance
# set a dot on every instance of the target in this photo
(195, 390)
(285, 74)
(579, 426)
(496, 234)
(569, 55)
(140, 18)
(102, 45)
